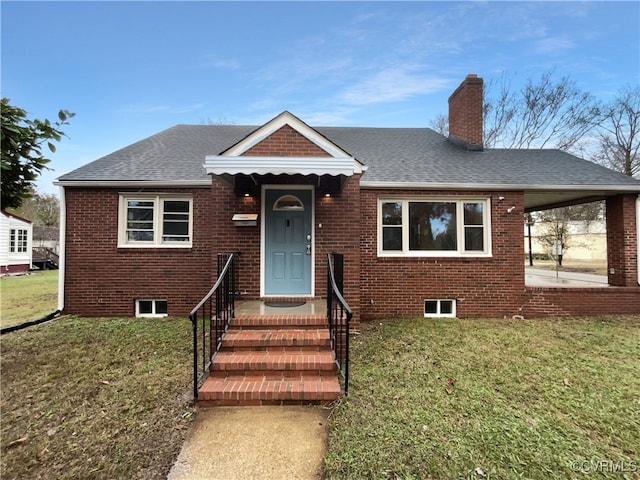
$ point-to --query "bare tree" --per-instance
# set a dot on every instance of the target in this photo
(554, 234)
(219, 121)
(543, 114)
(440, 124)
(620, 133)
(499, 110)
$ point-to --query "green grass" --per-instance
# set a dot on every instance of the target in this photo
(111, 398)
(97, 398)
(503, 399)
(28, 297)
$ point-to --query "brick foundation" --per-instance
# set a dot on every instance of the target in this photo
(546, 301)
(14, 269)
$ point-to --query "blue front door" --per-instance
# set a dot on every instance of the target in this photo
(288, 246)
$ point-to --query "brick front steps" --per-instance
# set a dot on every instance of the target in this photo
(273, 360)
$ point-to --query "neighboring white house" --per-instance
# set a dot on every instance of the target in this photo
(15, 244)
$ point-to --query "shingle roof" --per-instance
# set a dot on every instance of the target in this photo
(175, 154)
(392, 155)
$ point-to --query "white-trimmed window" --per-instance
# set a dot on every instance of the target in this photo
(151, 308)
(155, 221)
(440, 308)
(444, 227)
(18, 240)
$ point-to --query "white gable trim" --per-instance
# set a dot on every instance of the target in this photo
(285, 118)
(232, 161)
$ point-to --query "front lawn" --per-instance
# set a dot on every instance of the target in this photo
(100, 398)
(503, 399)
(28, 297)
(429, 399)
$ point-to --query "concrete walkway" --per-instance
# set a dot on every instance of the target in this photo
(549, 278)
(269, 443)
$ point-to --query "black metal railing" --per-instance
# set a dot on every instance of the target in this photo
(210, 318)
(339, 315)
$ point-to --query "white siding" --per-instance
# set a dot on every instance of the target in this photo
(7, 258)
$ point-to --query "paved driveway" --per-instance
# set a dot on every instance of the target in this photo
(535, 277)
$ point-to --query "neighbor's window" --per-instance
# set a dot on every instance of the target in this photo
(439, 308)
(18, 240)
(151, 308)
(156, 220)
(434, 227)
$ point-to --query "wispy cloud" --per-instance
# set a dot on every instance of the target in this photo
(303, 64)
(215, 62)
(555, 45)
(393, 84)
(339, 116)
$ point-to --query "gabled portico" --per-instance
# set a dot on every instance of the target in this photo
(285, 169)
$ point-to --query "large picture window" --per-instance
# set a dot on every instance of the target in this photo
(155, 220)
(434, 227)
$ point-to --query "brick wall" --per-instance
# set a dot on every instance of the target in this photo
(226, 237)
(286, 142)
(465, 112)
(622, 242)
(397, 287)
(547, 301)
(340, 218)
(336, 220)
(491, 287)
(104, 280)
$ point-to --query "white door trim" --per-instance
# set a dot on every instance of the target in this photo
(263, 231)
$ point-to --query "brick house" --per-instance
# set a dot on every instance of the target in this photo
(428, 225)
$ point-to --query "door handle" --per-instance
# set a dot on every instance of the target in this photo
(308, 249)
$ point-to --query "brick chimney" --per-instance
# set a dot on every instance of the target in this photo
(465, 113)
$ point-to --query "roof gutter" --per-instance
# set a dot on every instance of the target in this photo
(497, 186)
(133, 183)
(638, 234)
(62, 258)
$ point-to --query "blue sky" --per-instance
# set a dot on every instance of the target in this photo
(131, 69)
